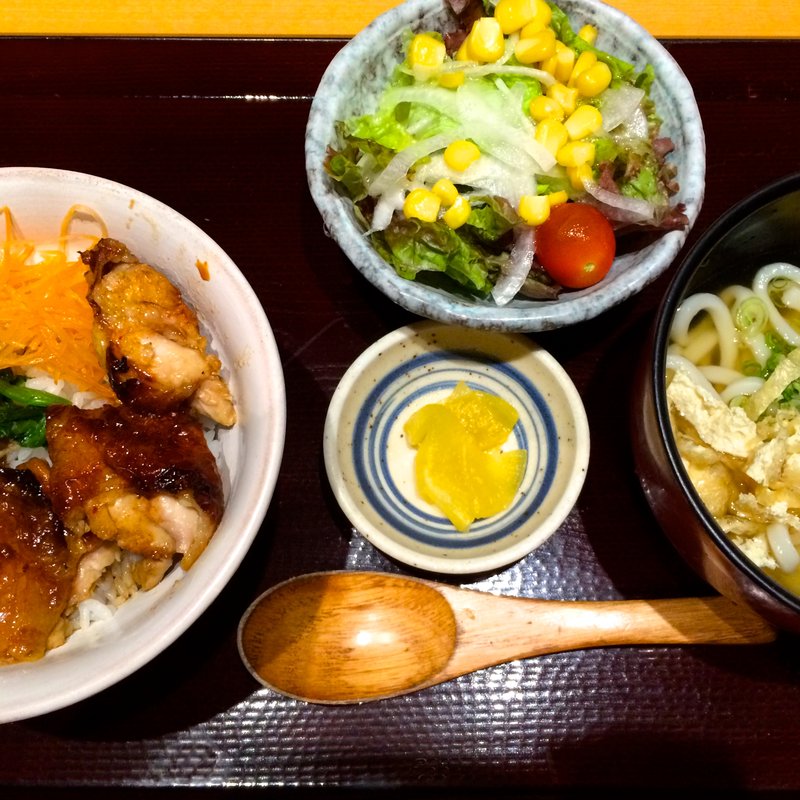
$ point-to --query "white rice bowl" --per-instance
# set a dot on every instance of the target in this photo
(111, 646)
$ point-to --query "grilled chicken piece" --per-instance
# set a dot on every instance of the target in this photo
(36, 568)
(96, 558)
(149, 339)
(122, 575)
(146, 482)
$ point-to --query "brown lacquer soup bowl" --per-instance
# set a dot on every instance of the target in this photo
(707, 503)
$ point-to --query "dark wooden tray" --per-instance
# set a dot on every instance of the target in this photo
(215, 129)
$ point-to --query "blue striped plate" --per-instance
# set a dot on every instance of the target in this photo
(371, 466)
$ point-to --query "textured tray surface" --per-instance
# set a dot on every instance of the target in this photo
(215, 129)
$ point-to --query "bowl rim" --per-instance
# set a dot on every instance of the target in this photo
(721, 226)
(438, 305)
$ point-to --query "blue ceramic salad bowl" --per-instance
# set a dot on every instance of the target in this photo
(353, 86)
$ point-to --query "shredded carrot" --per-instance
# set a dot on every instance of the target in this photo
(45, 318)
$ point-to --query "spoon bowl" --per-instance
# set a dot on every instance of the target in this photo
(341, 639)
(351, 637)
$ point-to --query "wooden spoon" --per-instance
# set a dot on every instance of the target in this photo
(349, 637)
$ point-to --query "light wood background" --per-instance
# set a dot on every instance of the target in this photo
(344, 18)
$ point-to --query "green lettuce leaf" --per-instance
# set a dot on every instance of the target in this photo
(620, 70)
(415, 248)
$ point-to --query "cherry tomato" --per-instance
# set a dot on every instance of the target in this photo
(576, 245)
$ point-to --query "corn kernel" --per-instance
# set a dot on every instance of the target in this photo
(550, 64)
(485, 41)
(535, 48)
(426, 51)
(551, 134)
(578, 175)
(583, 122)
(534, 208)
(565, 96)
(557, 198)
(573, 154)
(462, 54)
(534, 26)
(544, 107)
(460, 154)
(446, 191)
(514, 14)
(564, 62)
(588, 33)
(542, 15)
(585, 60)
(593, 80)
(422, 204)
(458, 213)
(451, 79)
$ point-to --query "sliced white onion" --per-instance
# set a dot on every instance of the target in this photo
(619, 105)
(515, 97)
(499, 127)
(486, 175)
(496, 125)
(387, 204)
(519, 265)
(620, 208)
(397, 169)
(782, 547)
(511, 43)
(540, 75)
(633, 128)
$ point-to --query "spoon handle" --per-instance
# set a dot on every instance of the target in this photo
(511, 628)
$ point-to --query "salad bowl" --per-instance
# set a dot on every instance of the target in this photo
(248, 454)
(352, 86)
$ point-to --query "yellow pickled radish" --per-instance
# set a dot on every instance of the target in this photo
(459, 467)
(502, 475)
(489, 418)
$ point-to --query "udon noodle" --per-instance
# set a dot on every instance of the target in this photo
(733, 388)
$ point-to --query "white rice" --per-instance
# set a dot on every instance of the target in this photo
(90, 611)
(37, 379)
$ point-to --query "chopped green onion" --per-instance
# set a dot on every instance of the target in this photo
(751, 316)
(22, 410)
(751, 369)
(20, 394)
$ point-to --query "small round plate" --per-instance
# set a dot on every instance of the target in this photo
(371, 466)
